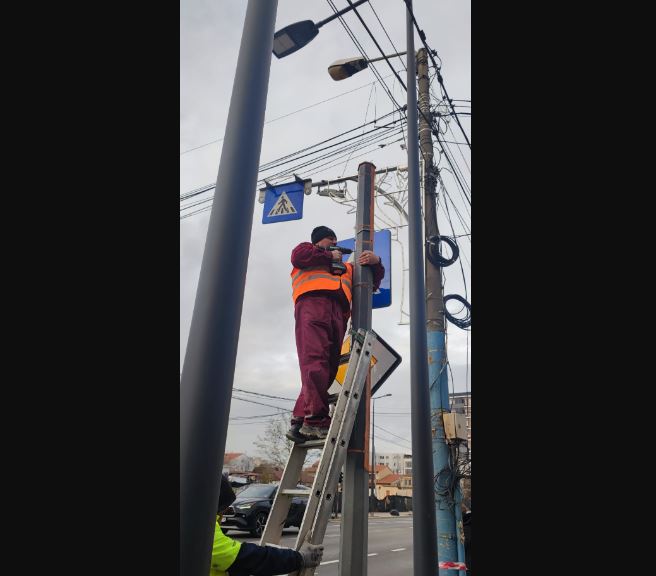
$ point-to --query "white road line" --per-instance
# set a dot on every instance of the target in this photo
(329, 562)
(397, 549)
(373, 554)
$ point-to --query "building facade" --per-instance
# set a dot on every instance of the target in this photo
(461, 403)
(237, 462)
(397, 462)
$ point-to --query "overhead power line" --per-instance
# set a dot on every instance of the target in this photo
(377, 45)
(263, 395)
(291, 113)
(261, 403)
(362, 51)
(422, 35)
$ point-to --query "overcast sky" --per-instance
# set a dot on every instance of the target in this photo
(210, 34)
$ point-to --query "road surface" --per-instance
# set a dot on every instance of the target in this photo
(389, 549)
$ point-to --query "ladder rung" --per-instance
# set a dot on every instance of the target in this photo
(296, 492)
(312, 444)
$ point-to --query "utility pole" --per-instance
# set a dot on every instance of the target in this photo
(373, 450)
(355, 524)
(209, 364)
(445, 508)
(373, 443)
(423, 515)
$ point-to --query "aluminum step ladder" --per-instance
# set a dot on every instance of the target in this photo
(321, 496)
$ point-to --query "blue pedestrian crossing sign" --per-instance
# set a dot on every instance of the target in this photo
(383, 248)
(283, 202)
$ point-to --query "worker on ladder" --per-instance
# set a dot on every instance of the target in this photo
(233, 558)
(321, 289)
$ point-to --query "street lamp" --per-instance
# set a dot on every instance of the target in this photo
(345, 68)
(373, 444)
(297, 35)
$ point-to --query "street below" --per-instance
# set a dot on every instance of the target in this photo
(389, 551)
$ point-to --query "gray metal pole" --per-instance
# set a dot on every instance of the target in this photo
(354, 533)
(373, 446)
(423, 510)
(209, 365)
(373, 441)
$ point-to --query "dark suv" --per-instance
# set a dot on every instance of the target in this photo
(251, 509)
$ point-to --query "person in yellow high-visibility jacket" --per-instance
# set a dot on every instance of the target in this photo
(233, 558)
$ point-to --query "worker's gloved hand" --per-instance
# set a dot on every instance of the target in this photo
(312, 554)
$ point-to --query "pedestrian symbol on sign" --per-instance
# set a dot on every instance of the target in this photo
(282, 206)
(283, 202)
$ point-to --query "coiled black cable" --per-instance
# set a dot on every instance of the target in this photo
(434, 254)
(463, 323)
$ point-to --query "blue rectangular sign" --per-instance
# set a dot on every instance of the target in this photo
(383, 248)
(283, 202)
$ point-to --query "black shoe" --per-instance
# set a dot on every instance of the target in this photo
(314, 432)
(295, 436)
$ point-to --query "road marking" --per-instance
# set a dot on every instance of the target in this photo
(329, 562)
(397, 549)
(373, 554)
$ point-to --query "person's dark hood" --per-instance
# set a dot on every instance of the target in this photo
(227, 495)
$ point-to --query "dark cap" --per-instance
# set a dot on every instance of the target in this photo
(321, 232)
(227, 495)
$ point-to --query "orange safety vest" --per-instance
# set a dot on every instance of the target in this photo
(319, 278)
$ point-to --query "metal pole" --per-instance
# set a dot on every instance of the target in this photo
(354, 532)
(373, 443)
(386, 57)
(423, 515)
(207, 376)
(373, 446)
(338, 14)
(460, 529)
(353, 178)
(445, 512)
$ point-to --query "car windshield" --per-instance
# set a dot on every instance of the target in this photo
(257, 491)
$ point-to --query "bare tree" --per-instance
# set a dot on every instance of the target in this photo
(275, 446)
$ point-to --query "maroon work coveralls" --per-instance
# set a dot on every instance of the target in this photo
(321, 320)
